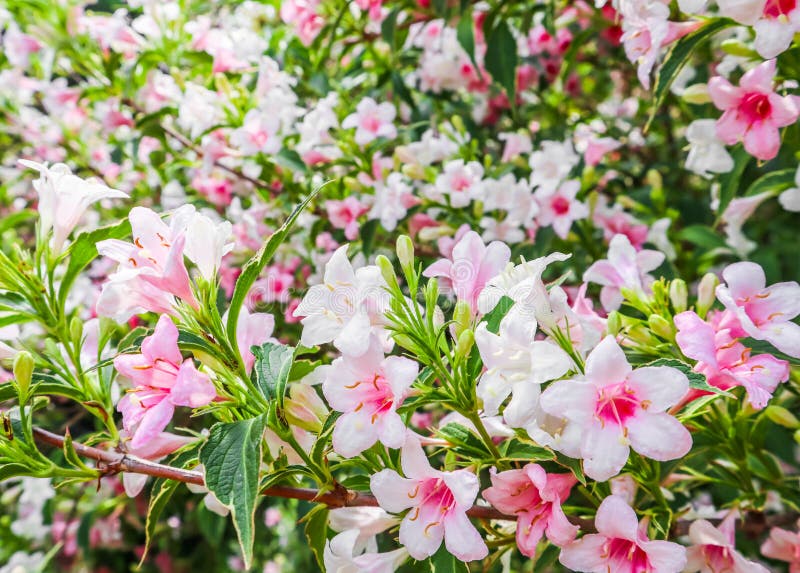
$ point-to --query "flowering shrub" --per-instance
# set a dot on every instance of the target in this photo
(384, 285)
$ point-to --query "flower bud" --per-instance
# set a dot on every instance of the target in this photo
(387, 270)
(679, 295)
(613, 323)
(782, 417)
(23, 373)
(462, 316)
(738, 48)
(405, 251)
(696, 94)
(465, 342)
(413, 171)
(438, 317)
(661, 326)
(797, 436)
(706, 293)
(76, 329)
(304, 408)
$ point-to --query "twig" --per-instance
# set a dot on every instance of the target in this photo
(753, 524)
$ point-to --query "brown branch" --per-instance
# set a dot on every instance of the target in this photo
(753, 524)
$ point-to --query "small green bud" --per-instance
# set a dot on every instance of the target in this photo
(413, 171)
(76, 329)
(679, 295)
(613, 323)
(736, 47)
(706, 293)
(458, 123)
(23, 373)
(797, 436)
(696, 94)
(465, 342)
(782, 417)
(304, 408)
(386, 268)
(462, 315)
(405, 251)
(661, 326)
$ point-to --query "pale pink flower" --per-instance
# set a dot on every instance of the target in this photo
(64, 198)
(368, 521)
(471, 266)
(790, 199)
(551, 164)
(393, 198)
(515, 145)
(535, 497)
(372, 7)
(215, 187)
(207, 242)
(620, 408)
(302, 14)
(253, 329)
(18, 46)
(368, 389)
(161, 381)
(258, 133)
(624, 268)
(707, 154)
(438, 502)
(371, 121)
(753, 111)
(784, 546)
(344, 214)
(346, 308)
(460, 182)
(713, 549)
(779, 21)
(151, 269)
(621, 545)
(725, 362)
(765, 313)
(342, 556)
(560, 208)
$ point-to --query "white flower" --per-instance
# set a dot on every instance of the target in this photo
(342, 556)
(198, 110)
(392, 200)
(64, 198)
(461, 182)
(551, 164)
(207, 242)
(790, 199)
(707, 153)
(372, 120)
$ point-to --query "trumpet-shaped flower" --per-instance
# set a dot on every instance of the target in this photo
(161, 381)
(765, 313)
(624, 268)
(346, 308)
(470, 267)
(207, 242)
(64, 198)
(725, 362)
(514, 358)
(341, 555)
(151, 269)
(713, 549)
(371, 121)
(368, 389)
(754, 113)
(461, 182)
(535, 497)
(621, 545)
(438, 502)
(784, 546)
(620, 408)
(560, 208)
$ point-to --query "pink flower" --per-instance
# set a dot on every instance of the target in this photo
(302, 14)
(621, 545)
(368, 389)
(471, 266)
(162, 380)
(624, 268)
(560, 208)
(372, 120)
(535, 497)
(765, 313)
(461, 182)
(725, 362)
(620, 408)
(713, 549)
(258, 134)
(438, 501)
(784, 546)
(344, 215)
(151, 269)
(753, 111)
(775, 29)
(253, 330)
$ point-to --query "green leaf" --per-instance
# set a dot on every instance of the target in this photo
(696, 380)
(255, 265)
(494, 316)
(16, 219)
(388, 28)
(517, 450)
(464, 441)
(445, 562)
(676, 59)
(232, 459)
(316, 531)
(702, 236)
(159, 497)
(501, 59)
(729, 182)
(84, 250)
(272, 367)
(572, 465)
(465, 33)
(302, 368)
(776, 181)
(290, 159)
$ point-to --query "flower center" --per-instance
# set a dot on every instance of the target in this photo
(755, 107)
(376, 395)
(616, 404)
(560, 205)
(777, 8)
(371, 123)
(625, 555)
